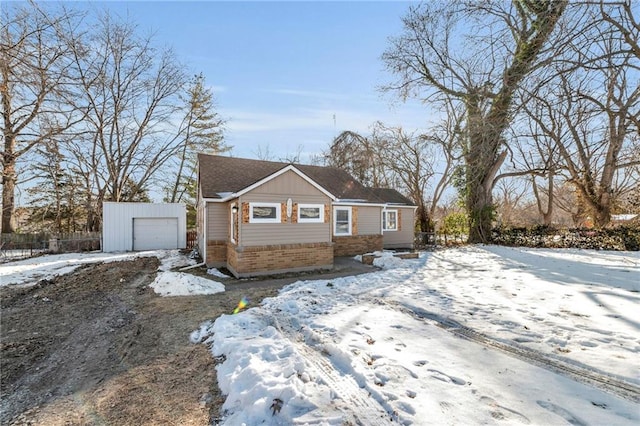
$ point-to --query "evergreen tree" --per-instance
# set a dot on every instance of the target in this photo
(55, 199)
(203, 133)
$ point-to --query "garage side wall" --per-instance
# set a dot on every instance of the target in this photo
(117, 222)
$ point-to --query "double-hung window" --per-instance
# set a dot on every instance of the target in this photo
(310, 213)
(264, 212)
(342, 221)
(390, 220)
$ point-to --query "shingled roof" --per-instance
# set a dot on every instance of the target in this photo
(221, 175)
(391, 196)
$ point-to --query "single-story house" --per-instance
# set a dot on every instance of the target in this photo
(263, 217)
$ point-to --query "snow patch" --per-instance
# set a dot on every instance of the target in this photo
(172, 259)
(216, 273)
(182, 284)
(30, 271)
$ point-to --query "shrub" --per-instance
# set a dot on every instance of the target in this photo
(455, 224)
(619, 238)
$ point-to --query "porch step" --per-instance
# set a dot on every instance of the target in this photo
(368, 258)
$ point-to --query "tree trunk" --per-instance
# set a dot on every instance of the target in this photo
(602, 216)
(547, 216)
(424, 224)
(481, 211)
(482, 164)
(546, 212)
(8, 184)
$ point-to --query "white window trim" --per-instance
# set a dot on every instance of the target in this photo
(335, 220)
(384, 222)
(269, 220)
(320, 207)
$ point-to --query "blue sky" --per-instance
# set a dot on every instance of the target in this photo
(280, 71)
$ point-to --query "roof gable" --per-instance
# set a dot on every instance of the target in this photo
(280, 172)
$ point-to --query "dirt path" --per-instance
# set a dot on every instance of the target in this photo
(98, 346)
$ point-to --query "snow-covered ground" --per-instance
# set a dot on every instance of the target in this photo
(471, 335)
(166, 283)
(184, 284)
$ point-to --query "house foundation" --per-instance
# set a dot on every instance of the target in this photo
(356, 244)
(275, 259)
(216, 253)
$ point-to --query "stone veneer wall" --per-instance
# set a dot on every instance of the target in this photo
(272, 259)
(356, 244)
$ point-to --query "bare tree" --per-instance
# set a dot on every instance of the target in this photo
(293, 157)
(359, 156)
(537, 156)
(34, 82)
(589, 114)
(131, 89)
(623, 17)
(568, 203)
(510, 201)
(409, 165)
(446, 136)
(478, 54)
(264, 153)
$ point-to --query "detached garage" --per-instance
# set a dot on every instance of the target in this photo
(143, 226)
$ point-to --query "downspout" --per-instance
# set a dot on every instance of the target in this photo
(204, 233)
(331, 221)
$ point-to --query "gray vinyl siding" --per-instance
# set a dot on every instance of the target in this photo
(369, 220)
(288, 185)
(279, 190)
(404, 237)
(264, 234)
(217, 221)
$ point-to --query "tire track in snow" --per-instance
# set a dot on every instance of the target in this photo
(585, 375)
(365, 406)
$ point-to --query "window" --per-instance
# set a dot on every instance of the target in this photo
(390, 220)
(310, 213)
(342, 221)
(264, 213)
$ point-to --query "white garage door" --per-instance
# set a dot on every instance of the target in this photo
(155, 233)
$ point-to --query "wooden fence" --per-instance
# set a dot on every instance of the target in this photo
(76, 242)
(192, 239)
(429, 239)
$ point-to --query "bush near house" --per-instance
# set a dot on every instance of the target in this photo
(454, 229)
(619, 238)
